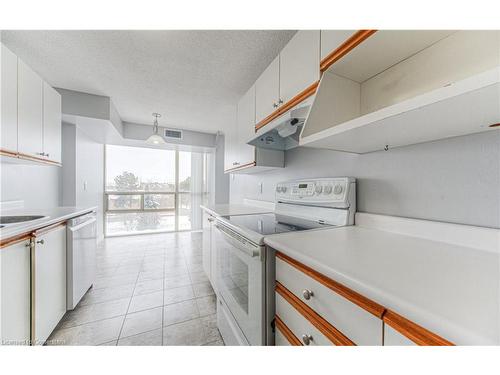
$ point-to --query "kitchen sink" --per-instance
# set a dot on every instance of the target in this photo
(19, 219)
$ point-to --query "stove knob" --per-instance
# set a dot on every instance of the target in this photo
(328, 189)
(283, 189)
(338, 189)
(319, 189)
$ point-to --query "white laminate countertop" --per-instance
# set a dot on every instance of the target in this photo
(53, 215)
(234, 209)
(451, 290)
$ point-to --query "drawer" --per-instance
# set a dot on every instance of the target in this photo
(284, 335)
(298, 324)
(362, 325)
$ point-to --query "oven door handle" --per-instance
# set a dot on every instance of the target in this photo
(239, 242)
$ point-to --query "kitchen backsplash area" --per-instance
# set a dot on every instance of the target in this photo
(454, 180)
(37, 186)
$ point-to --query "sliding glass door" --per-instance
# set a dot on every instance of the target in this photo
(153, 190)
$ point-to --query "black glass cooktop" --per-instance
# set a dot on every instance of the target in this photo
(266, 224)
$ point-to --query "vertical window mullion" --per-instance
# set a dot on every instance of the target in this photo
(176, 199)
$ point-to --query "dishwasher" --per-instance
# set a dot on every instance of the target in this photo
(81, 257)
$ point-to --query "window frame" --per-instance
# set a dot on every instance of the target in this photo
(176, 194)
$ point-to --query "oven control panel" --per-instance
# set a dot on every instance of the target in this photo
(321, 191)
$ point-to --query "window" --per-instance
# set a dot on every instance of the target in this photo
(153, 190)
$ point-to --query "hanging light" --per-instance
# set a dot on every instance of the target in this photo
(155, 138)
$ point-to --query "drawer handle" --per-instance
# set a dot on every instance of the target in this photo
(307, 339)
(41, 242)
(307, 294)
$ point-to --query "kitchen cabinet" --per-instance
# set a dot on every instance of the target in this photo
(30, 111)
(376, 96)
(332, 39)
(9, 100)
(52, 123)
(267, 91)
(15, 293)
(49, 298)
(245, 129)
(241, 157)
(299, 64)
(229, 148)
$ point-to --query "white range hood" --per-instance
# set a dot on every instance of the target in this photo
(283, 132)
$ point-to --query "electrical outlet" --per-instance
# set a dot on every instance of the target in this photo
(85, 185)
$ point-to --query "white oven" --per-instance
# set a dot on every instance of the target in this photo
(240, 280)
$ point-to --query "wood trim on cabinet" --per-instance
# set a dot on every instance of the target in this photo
(494, 125)
(288, 105)
(13, 240)
(332, 333)
(18, 155)
(346, 47)
(239, 167)
(413, 331)
(356, 298)
(283, 328)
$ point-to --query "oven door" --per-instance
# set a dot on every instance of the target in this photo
(240, 281)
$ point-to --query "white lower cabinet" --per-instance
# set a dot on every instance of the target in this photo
(15, 293)
(300, 326)
(50, 281)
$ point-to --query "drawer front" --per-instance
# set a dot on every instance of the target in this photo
(298, 324)
(280, 339)
(362, 327)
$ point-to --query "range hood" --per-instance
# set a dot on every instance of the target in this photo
(283, 132)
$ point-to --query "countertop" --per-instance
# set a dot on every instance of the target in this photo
(234, 209)
(53, 215)
(449, 289)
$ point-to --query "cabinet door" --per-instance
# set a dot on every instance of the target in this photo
(50, 282)
(332, 39)
(9, 100)
(207, 244)
(229, 148)
(29, 111)
(299, 64)
(52, 123)
(246, 127)
(15, 297)
(267, 91)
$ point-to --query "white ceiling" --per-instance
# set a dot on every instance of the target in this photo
(193, 78)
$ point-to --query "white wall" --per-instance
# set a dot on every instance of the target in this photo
(37, 186)
(83, 171)
(454, 180)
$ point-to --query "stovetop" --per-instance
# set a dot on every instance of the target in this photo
(271, 223)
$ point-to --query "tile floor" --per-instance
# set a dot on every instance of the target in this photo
(150, 290)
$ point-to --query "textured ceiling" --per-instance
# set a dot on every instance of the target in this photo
(193, 78)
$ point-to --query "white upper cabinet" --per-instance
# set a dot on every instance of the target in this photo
(299, 64)
(30, 121)
(229, 148)
(9, 100)
(52, 119)
(267, 91)
(246, 127)
(332, 39)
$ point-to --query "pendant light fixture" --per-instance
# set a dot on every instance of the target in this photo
(155, 138)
